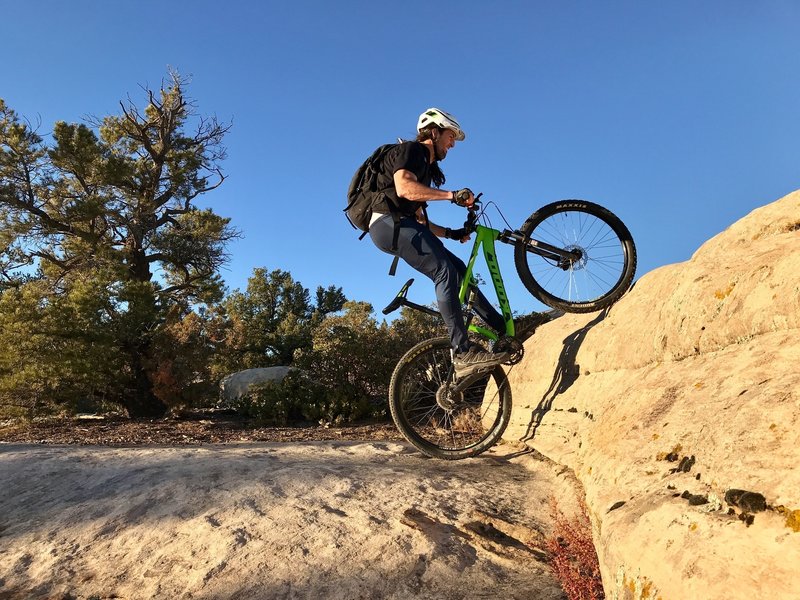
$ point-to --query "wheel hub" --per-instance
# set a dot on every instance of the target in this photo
(447, 398)
(578, 262)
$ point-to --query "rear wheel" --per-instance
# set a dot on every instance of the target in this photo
(436, 418)
(603, 263)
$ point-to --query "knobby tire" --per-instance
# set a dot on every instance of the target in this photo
(463, 430)
(605, 270)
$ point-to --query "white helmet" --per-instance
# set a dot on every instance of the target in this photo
(439, 118)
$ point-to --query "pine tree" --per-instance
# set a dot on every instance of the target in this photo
(103, 223)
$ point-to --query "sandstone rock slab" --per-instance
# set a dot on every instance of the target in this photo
(687, 389)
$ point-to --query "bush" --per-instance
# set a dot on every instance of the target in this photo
(573, 558)
(297, 399)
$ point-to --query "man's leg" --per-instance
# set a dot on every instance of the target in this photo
(426, 253)
(483, 307)
(423, 251)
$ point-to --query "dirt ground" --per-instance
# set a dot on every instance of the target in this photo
(202, 427)
(209, 506)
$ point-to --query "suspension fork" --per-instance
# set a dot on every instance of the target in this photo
(564, 258)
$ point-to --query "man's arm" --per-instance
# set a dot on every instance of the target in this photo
(440, 231)
(407, 186)
(405, 183)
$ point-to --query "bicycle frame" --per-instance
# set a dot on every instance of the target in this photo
(485, 238)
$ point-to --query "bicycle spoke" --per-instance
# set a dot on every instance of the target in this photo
(601, 263)
(443, 422)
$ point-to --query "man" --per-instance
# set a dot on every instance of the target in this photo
(416, 179)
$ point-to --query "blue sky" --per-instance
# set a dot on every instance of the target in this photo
(681, 117)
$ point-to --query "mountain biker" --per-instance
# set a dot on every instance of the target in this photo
(417, 178)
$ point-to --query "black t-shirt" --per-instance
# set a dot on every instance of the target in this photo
(413, 157)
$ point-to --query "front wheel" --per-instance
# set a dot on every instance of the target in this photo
(602, 259)
(440, 421)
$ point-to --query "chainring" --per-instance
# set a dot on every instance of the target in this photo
(512, 346)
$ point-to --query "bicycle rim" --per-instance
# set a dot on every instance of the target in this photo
(606, 261)
(438, 425)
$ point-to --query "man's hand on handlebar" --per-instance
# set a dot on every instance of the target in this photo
(461, 234)
(463, 197)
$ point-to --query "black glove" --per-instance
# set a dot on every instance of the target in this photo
(461, 196)
(455, 234)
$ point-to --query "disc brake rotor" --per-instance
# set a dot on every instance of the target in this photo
(577, 264)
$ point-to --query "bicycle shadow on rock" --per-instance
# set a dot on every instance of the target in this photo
(567, 372)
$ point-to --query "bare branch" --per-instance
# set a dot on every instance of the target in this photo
(185, 285)
(158, 256)
(167, 218)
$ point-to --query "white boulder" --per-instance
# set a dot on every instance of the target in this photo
(238, 384)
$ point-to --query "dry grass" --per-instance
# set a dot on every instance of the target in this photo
(573, 558)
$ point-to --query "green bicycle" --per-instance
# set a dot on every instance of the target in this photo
(572, 255)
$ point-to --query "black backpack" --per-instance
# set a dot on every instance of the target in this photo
(365, 190)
